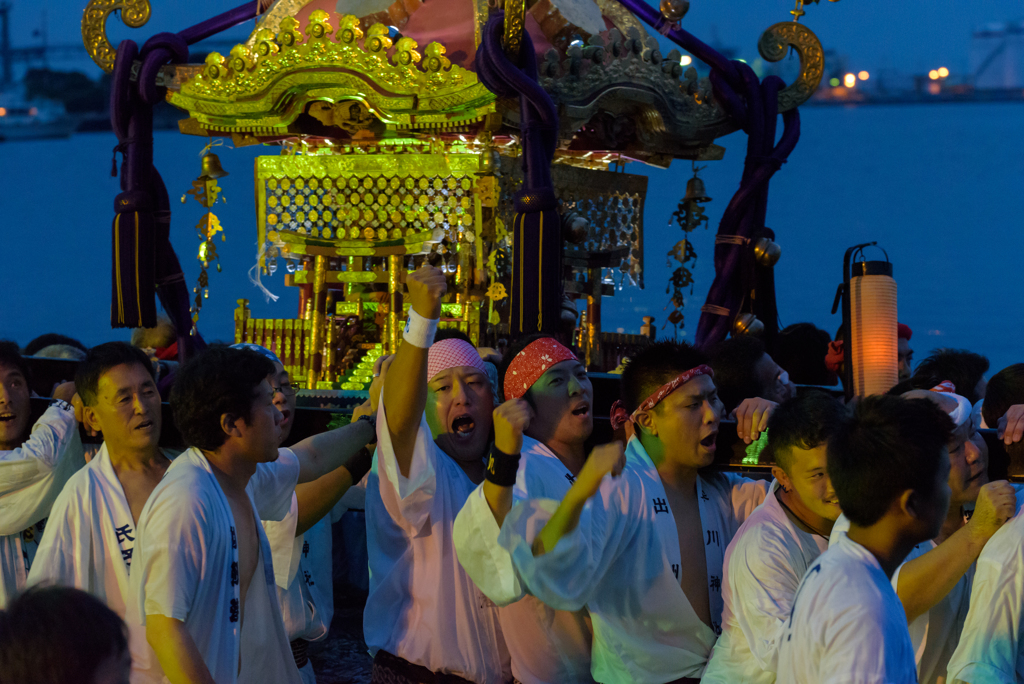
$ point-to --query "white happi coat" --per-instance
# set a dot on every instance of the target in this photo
(622, 563)
(185, 566)
(847, 625)
(936, 632)
(422, 605)
(31, 477)
(991, 650)
(764, 564)
(88, 545)
(302, 570)
(547, 646)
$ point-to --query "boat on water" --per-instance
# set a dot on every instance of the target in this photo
(33, 120)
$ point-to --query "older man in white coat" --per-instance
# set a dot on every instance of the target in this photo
(91, 539)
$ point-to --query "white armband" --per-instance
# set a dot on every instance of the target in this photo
(420, 331)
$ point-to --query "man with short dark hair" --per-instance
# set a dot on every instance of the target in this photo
(643, 552)
(301, 542)
(1005, 391)
(202, 574)
(92, 532)
(934, 581)
(743, 369)
(890, 469)
(59, 635)
(773, 548)
(801, 349)
(33, 466)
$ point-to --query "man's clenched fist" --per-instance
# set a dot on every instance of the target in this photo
(511, 419)
(426, 288)
(604, 459)
(997, 502)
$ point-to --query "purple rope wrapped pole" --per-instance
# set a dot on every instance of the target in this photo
(144, 260)
(536, 234)
(753, 106)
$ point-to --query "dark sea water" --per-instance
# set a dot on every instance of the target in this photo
(940, 187)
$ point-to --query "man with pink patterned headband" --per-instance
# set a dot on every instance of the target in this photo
(539, 448)
(643, 551)
(425, 620)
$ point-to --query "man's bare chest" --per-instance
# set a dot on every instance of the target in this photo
(247, 539)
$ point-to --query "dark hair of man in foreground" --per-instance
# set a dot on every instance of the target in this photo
(59, 635)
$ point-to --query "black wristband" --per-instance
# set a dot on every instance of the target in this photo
(359, 464)
(372, 420)
(502, 468)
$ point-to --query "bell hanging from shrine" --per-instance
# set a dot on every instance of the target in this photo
(695, 191)
(211, 167)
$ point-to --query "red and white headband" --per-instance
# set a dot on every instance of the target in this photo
(531, 363)
(670, 387)
(963, 411)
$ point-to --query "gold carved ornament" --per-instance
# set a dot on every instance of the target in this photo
(515, 17)
(134, 14)
(265, 86)
(774, 44)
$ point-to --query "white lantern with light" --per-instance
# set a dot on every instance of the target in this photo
(868, 294)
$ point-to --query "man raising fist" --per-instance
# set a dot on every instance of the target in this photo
(425, 620)
(540, 435)
(641, 551)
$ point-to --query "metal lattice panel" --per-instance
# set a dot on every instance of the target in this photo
(368, 208)
(613, 203)
(368, 198)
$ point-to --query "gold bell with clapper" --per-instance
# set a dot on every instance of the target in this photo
(212, 168)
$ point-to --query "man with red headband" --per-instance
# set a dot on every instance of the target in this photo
(425, 620)
(836, 354)
(540, 436)
(904, 354)
(643, 552)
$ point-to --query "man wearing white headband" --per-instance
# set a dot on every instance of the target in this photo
(643, 551)
(539, 449)
(934, 581)
(991, 648)
(425, 620)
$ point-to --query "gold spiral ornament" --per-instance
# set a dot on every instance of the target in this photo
(775, 43)
(134, 14)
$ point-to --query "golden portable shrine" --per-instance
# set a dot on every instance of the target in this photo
(394, 152)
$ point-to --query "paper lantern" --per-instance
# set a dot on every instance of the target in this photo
(872, 293)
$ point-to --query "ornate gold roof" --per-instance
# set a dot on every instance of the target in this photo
(307, 73)
(264, 89)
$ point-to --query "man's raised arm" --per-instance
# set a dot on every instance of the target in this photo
(317, 498)
(925, 580)
(510, 420)
(321, 454)
(405, 389)
(179, 658)
(604, 459)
